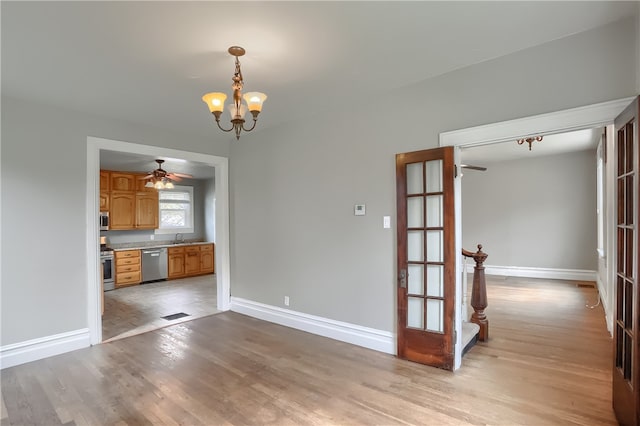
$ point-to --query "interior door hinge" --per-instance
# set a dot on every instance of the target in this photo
(455, 170)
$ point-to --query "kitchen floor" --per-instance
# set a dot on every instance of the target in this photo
(137, 309)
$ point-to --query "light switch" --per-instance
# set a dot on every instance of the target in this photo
(386, 222)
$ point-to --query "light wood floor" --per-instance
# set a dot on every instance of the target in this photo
(547, 363)
(137, 309)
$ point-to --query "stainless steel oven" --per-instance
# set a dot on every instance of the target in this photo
(108, 271)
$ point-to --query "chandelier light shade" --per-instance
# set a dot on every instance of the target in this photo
(529, 140)
(252, 100)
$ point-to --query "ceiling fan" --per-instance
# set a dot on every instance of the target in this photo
(161, 179)
(468, 166)
(160, 173)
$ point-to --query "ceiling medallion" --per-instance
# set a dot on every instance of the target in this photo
(254, 100)
(529, 140)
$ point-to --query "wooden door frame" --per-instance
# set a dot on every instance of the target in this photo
(580, 118)
(222, 261)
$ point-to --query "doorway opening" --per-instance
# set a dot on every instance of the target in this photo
(214, 288)
(593, 116)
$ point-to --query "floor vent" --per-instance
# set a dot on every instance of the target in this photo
(175, 316)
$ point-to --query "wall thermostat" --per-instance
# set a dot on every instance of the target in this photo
(359, 209)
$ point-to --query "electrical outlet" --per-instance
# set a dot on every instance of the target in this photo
(152, 237)
(286, 301)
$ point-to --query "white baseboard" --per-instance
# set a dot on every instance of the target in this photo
(43, 347)
(371, 338)
(608, 311)
(546, 273)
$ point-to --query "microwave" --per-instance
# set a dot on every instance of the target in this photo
(104, 221)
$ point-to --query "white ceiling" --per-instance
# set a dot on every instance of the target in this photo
(581, 140)
(130, 162)
(150, 62)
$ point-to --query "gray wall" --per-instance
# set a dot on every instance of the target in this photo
(293, 188)
(536, 212)
(44, 156)
(200, 197)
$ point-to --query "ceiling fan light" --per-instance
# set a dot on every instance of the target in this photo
(254, 100)
(168, 185)
(159, 185)
(215, 101)
(149, 184)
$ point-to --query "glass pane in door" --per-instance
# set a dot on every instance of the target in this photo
(434, 211)
(434, 246)
(435, 280)
(434, 175)
(415, 212)
(434, 315)
(414, 178)
(415, 312)
(415, 246)
(416, 279)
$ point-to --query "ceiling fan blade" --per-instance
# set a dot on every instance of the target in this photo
(468, 166)
(184, 175)
(173, 177)
(149, 176)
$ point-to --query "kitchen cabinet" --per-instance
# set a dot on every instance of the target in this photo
(176, 262)
(187, 261)
(123, 181)
(122, 213)
(128, 271)
(192, 260)
(105, 181)
(129, 203)
(133, 210)
(207, 259)
(146, 210)
(104, 201)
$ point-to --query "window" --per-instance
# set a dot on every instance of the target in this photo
(176, 210)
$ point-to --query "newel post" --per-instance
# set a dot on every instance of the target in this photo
(479, 293)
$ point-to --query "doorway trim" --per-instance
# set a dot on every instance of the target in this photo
(222, 259)
(585, 117)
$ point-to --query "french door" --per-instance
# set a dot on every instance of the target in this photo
(426, 256)
(626, 342)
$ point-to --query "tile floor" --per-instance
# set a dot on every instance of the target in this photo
(137, 309)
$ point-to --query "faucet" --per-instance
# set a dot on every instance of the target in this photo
(179, 238)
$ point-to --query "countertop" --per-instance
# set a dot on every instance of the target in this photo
(151, 245)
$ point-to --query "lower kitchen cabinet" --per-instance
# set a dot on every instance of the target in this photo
(176, 262)
(207, 259)
(128, 270)
(192, 260)
(188, 261)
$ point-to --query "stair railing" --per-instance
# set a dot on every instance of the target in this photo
(479, 292)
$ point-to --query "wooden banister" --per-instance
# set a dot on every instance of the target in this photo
(479, 292)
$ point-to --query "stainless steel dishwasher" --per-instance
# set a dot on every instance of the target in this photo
(154, 264)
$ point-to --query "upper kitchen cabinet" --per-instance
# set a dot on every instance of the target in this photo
(122, 213)
(147, 210)
(105, 181)
(130, 204)
(104, 201)
(123, 181)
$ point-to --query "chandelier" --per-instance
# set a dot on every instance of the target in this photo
(529, 140)
(254, 100)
